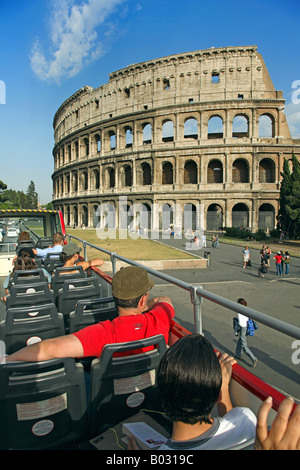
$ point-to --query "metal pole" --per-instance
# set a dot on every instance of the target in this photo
(197, 307)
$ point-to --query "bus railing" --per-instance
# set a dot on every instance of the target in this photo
(198, 294)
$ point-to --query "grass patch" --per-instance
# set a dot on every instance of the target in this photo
(137, 249)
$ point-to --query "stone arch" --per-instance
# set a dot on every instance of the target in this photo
(240, 171)
(266, 171)
(191, 128)
(240, 215)
(190, 172)
(146, 174)
(215, 127)
(167, 173)
(266, 217)
(110, 179)
(84, 216)
(125, 176)
(147, 133)
(168, 131)
(214, 217)
(266, 125)
(215, 172)
(240, 126)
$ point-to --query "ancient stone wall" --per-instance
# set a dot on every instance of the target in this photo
(200, 129)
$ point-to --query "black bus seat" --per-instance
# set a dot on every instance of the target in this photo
(29, 294)
(91, 311)
(27, 276)
(62, 274)
(52, 261)
(42, 404)
(44, 242)
(26, 325)
(75, 289)
(121, 386)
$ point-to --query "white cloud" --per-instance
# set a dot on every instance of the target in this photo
(74, 38)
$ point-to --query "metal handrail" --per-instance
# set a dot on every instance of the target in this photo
(197, 294)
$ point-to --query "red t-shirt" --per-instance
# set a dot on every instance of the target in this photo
(278, 258)
(126, 328)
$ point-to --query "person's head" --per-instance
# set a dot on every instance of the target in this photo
(69, 251)
(129, 285)
(23, 236)
(58, 238)
(189, 379)
(25, 260)
(242, 301)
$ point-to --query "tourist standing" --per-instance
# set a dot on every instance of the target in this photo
(246, 256)
(278, 258)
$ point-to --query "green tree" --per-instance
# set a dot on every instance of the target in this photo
(2, 185)
(32, 196)
(289, 200)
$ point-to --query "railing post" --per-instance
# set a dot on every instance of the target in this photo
(113, 263)
(197, 304)
(84, 251)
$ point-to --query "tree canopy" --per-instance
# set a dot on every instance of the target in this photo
(289, 200)
(11, 199)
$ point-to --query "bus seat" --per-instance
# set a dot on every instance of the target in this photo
(42, 404)
(44, 242)
(91, 311)
(27, 276)
(61, 274)
(29, 294)
(121, 386)
(75, 289)
(52, 261)
(27, 325)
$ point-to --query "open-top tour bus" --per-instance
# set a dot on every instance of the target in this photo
(43, 405)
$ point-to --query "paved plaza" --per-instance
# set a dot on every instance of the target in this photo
(275, 296)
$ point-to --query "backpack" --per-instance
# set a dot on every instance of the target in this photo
(251, 327)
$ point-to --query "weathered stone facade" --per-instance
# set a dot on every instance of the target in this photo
(204, 127)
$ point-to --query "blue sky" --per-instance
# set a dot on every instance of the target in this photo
(51, 48)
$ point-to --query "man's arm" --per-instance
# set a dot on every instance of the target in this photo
(97, 262)
(224, 404)
(151, 302)
(54, 348)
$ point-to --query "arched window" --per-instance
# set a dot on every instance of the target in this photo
(146, 174)
(240, 171)
(215, 128)
(266, 126)
(215, 172)
(266, 171)
(191, 129)
(214, 217)
(168, 131)
(126, 176)
(128, 137)
(147, 134)
(190, 172)
(167, 173)
(240, 216)
(240, 126)
(113, 140)
(266, 217)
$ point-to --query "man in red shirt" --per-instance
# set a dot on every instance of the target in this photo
(278, 258)
(139, 317)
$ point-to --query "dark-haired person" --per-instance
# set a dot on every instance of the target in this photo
(192, 380)
(23, 262)
(138, 317)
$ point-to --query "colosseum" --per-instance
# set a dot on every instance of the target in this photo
(203, 129)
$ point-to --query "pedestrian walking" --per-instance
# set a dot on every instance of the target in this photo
(246, 256)
(242, 345)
